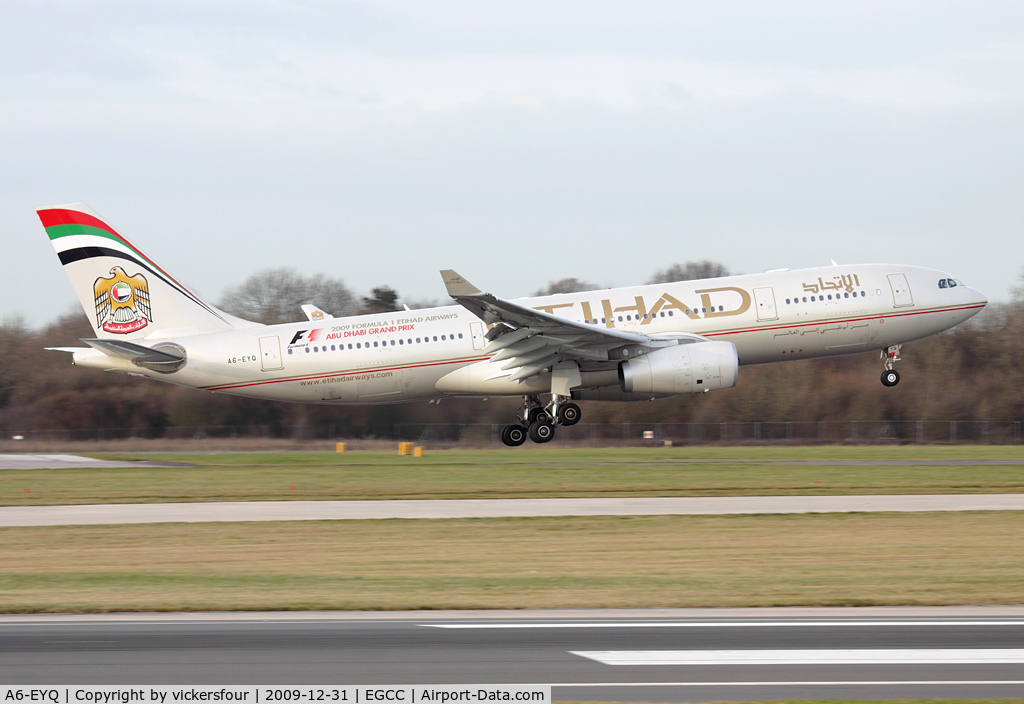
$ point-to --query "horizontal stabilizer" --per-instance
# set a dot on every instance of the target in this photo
(133, 352)
(167, 358)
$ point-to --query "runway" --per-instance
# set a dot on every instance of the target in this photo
(20, 461)
(111, 514)
(728, 653)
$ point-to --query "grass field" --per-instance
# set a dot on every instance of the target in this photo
(663, 561)
(525, 472)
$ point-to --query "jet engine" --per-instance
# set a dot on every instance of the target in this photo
(682, 369)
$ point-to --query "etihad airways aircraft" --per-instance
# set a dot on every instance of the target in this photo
(626, 344)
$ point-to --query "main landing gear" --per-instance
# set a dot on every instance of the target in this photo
(538, 422)
(891, 377)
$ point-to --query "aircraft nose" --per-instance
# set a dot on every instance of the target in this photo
(978, 296)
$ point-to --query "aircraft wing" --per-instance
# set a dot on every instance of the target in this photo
(532, 340)
(313, 313)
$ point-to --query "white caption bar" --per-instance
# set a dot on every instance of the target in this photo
(807, 657)
(277, 694)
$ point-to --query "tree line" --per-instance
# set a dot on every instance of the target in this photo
(973, 372)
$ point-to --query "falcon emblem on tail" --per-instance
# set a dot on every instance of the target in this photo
(122, 302)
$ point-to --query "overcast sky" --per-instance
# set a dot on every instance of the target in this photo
(516, 142)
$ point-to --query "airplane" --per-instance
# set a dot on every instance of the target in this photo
(636, 343)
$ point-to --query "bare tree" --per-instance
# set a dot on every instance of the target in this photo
(420, 303)
(275, 296)
(1017, 292)
(690, 271)
(569, 285)
(382, 299)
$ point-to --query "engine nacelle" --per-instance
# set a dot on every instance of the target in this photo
(682, 369)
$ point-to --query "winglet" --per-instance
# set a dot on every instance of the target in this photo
(458, 286)
(314, 313)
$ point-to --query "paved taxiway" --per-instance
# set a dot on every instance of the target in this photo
(899, 652)
(109, 514)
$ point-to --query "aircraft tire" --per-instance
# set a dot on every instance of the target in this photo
(513, 435)
(569, 414)
(542, 431)
(890, 377)
(537, 414)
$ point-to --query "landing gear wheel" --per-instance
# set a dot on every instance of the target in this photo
(513, 435)
(569, 414)
(537, 414)
(542, 431)
(890, 377)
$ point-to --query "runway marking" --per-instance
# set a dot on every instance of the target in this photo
(866, 656)
(799, 683)
(720, 624)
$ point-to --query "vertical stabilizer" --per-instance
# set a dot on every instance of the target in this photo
(125, 294)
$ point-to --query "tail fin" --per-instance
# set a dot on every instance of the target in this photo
(125, 294)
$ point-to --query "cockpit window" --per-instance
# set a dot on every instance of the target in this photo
(952, 283)
(942, 283)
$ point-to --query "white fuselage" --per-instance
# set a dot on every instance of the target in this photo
(401, 356)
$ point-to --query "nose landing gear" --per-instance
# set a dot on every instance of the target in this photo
(891, 377)
(538, 422)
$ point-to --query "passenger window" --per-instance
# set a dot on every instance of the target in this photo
(289, 351)
(392, 343)
(332, 348)
(830, 296)
(307, 350)
(460, 335)
(805, 299)
(846, 295)
(435, 338)
(620, 318)
(442, 338)
(787, 301)
(417, 339)
(670, 313)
